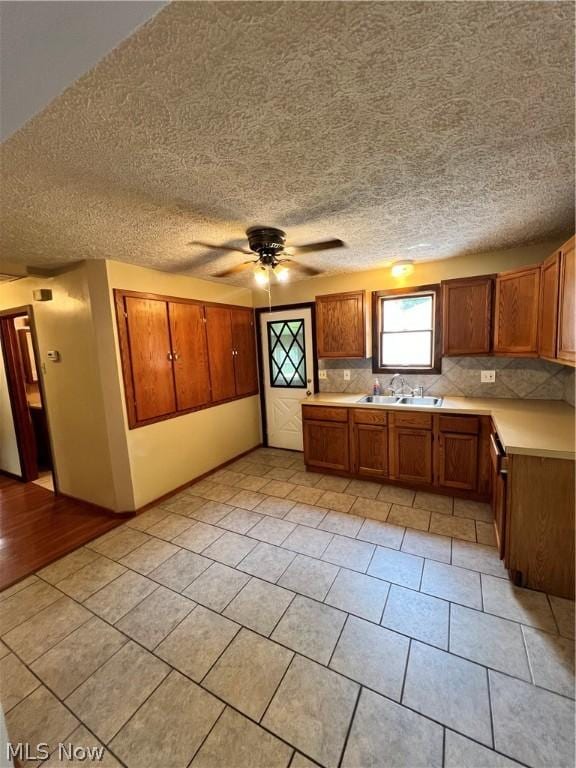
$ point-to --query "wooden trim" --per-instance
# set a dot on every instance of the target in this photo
(281, 308)
(437, 329)
(25, 438)
(125, 357)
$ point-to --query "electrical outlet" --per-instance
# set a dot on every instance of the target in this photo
(322, 374)
(346, 375)
(487, 377)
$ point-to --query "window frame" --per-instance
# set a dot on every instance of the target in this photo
(377, 330)
(304, 385)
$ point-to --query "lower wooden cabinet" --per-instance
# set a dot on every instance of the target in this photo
(369, 443)
(457, 461)
(457, 457)
(326, 445)
(443, 452)
(411, 455)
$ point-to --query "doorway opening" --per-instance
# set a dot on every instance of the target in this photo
(288, 371)
(25, 452)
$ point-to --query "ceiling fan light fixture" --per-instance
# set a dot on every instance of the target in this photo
(402, 268)
(261, 276)
(282, 274)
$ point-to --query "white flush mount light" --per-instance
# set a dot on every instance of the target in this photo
(402, 268)
(419, 245)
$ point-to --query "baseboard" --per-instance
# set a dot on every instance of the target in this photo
(188, 484)
(164, 497)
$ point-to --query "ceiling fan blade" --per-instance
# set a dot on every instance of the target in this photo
(325, 245)
(220, 247)
(295, 265)
(236, 269)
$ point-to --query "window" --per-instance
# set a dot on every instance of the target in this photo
(287, 354)
(406, 330)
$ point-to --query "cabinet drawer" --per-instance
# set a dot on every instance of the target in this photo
(414, 420)
(469, 425)
(367, 416)
(324, 413)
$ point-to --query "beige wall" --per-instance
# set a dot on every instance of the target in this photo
(167, 454)
(424, 273)
(74, 400)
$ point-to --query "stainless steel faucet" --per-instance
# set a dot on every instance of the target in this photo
(391, 383)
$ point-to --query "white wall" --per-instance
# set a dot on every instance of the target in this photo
(9, 457)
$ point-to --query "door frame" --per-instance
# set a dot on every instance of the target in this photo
(25, 437)
(311, 305)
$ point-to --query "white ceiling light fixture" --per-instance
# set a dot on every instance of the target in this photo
(402, 268)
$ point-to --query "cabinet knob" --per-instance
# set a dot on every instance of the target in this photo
(175, 355)
(170, 356)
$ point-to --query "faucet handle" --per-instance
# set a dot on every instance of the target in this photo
(418, 391)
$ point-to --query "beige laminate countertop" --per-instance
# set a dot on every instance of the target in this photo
(529, 427)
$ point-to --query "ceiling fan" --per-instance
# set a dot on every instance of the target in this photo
(269, 245)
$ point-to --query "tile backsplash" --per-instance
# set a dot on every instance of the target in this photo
(515, 377)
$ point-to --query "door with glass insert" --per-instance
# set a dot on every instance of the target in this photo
(287, 366)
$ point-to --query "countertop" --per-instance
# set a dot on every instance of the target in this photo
(530, 427)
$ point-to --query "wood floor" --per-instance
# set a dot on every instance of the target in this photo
(37, 527)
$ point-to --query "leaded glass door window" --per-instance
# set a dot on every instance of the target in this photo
(287, 353)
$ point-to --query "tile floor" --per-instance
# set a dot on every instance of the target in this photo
(268, 617)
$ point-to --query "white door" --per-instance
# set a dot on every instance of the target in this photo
(288, 367)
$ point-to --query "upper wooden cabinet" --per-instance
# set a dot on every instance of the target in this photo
(467, 316)
(244, 341)
(549, 289)
(148, 358)
(341, 325)
(566, 346)
(190, 355)
(179, 355)
(516, 312)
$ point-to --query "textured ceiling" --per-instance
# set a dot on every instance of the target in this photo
(389, 125)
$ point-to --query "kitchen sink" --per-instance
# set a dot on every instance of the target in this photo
(422, 401)
(380, 399)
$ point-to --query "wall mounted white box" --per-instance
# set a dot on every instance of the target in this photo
(322, 374)
(346, 375)
(487, 377)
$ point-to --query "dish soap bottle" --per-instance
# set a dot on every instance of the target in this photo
(376, 387)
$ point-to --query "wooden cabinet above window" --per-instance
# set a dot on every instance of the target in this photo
(179, 355)
(341, 325)
(467, 316)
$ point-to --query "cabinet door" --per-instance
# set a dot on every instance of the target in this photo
(458, 460)
(467, 316)
(244, 341)
(341, 325)
(326, 445)
(567, 310)
(220, 347)
(516, 314)
(549, 285)
(411, 455)
(370, 450)
(190, 352)
(150, 357)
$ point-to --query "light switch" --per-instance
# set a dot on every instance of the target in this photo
(487, 377)
(346, 375)
(53, 355)
(322, 374)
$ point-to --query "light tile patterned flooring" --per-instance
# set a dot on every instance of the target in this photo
(272, 617)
